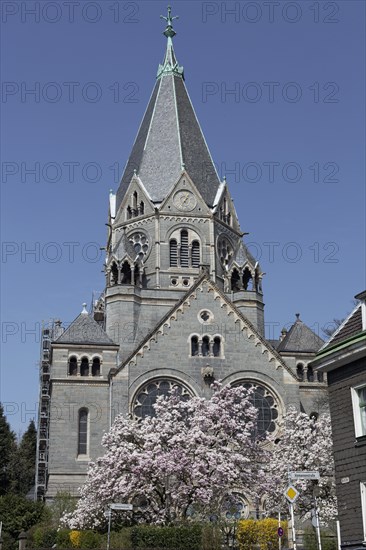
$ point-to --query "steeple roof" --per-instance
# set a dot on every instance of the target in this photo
(170, 138)
(300, 338)
(84, 330)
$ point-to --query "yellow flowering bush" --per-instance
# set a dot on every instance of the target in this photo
(262, 533)
(75, 538)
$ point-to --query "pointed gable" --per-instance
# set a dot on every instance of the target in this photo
(84, 330)
(236, 325)
(300, 338)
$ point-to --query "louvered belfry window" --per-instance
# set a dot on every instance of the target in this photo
(173, 253)
(195, 254)
(184, 250)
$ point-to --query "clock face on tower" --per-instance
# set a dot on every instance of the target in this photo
(185, 200)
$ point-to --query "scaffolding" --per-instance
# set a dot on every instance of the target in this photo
(44, 406)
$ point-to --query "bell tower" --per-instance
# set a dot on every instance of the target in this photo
(172, 217)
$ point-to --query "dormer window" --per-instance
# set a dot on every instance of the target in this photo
(136, 207)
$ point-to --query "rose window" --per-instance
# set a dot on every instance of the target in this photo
(147, 395)
(140, 244)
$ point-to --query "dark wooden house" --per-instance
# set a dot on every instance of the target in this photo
(343, 358)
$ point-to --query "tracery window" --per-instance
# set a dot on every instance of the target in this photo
(266, 405)
(146, 397)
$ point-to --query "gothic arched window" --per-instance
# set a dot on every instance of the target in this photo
(126, 273)
(266, 405)
(247, 277)
(235, 280)
(83, 432)
(73, 366)
(114, 274)
(84, 367)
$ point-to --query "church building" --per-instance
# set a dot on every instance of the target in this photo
(183, 303)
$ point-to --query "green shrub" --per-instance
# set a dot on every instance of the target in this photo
(44, 537)
(187, 537)
(329, 540)
(63, 538)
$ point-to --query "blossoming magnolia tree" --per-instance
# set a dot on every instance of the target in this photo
(188, 457)
(305, 444)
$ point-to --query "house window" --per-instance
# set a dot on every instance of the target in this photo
(359, 410)
(363, 507)
(83, 432)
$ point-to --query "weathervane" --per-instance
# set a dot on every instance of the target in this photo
(169, 31)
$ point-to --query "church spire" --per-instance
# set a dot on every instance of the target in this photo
(170, 64)
(170, 138)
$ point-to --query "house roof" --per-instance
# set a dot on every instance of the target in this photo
(300, 338)
(170, 140)
(84, 330)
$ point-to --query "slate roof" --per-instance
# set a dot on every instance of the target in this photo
(351, 326)
(242, 255)
(170, 138)
(124, 248)
(84, 330)
(300, 338)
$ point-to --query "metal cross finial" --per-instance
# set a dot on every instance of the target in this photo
(169, 31)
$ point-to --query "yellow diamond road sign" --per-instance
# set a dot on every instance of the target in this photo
(291, 493)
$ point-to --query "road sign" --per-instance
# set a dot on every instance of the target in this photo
(291, 493)
(280, 532)
(304, 475)
(118, 506)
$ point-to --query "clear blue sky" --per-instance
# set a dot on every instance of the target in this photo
(291, 139)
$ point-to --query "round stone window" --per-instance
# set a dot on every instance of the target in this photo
(140, 244)
(146, 396)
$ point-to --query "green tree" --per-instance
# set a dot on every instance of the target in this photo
(7, 452)
(18, 514)
(24, 462)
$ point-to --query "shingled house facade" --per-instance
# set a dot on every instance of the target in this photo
(343, 359)
(183, 302)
